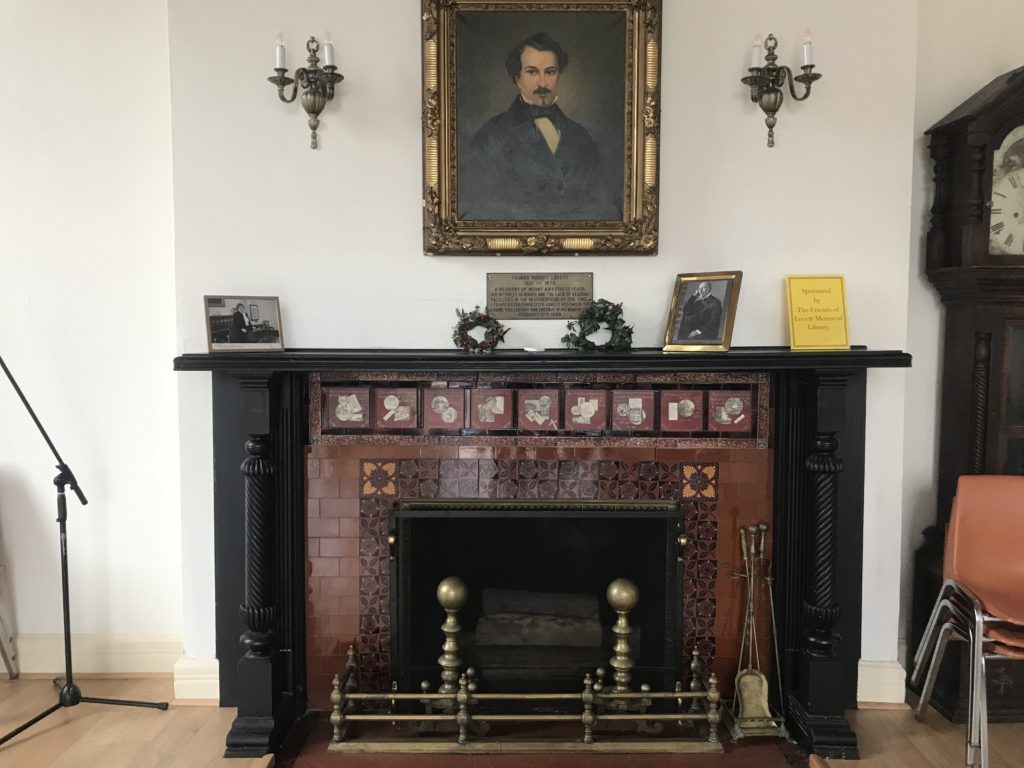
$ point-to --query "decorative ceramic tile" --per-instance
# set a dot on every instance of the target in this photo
(346, 407)
(700, 481)
(444, 408)
(633, 409)
(490, 408)
(538, 410)
(682, 410)
(395, 408)
(378, 478)
(729, 411)
(586, 409)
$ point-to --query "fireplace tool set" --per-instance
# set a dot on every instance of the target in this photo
(750, 713)
(602, 705)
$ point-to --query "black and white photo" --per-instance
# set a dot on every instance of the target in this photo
(243, 323)
(703, 311)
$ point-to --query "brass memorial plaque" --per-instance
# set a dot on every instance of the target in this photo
(539, 295)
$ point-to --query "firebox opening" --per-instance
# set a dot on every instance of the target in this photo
(537, 617)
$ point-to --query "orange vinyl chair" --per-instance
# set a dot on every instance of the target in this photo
(981, 601)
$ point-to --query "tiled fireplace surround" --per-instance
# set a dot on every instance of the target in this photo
(351, 490)
(311, 583)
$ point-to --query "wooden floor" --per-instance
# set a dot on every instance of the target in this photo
(188, 736)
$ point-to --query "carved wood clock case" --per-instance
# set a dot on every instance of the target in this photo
(975, 259)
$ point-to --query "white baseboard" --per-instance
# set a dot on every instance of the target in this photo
(197, 679)
(880, 682)
(100, 654)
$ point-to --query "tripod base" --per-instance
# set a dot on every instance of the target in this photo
(70, 696)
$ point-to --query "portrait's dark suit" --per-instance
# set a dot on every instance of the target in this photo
(240, 329)
(511, 173)
(704, 315)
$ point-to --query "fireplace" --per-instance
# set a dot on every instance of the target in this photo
(311, 583)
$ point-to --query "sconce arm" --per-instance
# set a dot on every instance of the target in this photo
(805, 79)
(282, 81)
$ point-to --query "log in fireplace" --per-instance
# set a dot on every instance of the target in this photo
(805, 431)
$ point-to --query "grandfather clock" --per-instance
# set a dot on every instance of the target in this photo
(975, 259)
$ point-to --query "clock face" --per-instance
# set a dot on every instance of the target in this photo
(1006, 225)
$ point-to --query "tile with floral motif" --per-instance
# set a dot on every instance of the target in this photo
(490, 408)
(395, 408)
(444, 408)
(633, 409)
(586, 409)
(729, 411)
(682, 410)
(346, 407)
(538, 409)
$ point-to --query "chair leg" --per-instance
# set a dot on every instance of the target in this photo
(977, 722)
(933, 669)
(928, 638)
(982, 712)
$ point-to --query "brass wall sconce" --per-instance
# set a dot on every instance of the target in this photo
(767, 79)
(317, 84)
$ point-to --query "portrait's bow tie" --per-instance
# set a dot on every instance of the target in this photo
(537, 111)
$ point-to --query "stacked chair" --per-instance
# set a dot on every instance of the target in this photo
(982, 598)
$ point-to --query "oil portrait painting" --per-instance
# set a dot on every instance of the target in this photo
(533, 140)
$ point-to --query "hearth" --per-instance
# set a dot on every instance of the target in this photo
(310, 583)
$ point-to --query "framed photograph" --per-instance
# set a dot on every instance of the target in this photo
(703, 311)
(243, 324)
(541, 126)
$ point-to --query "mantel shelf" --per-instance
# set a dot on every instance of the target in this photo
(646, 360)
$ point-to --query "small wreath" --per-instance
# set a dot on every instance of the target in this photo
(494, 334)
(601, 311)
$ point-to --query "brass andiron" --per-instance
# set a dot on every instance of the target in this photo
(317, 84)
(451, 594)
(622, 596)
(767, 79)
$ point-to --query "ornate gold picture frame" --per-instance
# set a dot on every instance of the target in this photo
(703, 312)
(541, 126)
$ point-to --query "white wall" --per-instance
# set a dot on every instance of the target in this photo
(257, 211)
(86, 256)
(987, 39)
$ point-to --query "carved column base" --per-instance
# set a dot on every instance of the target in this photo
(815, 713)
(252, 731)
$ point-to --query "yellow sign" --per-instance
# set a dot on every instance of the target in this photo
(817, 312)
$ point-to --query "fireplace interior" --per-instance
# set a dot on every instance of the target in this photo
(536, 617)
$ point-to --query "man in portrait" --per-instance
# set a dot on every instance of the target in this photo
(241, 326)
(532, 162)
(702, 317)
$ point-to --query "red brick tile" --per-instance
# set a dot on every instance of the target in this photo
(440, 451)
(312, 507)
(312, 469)
(344, 626)
(473, 452)
(348, 566)
(348, 547)
(325, 566)
(348, 527)
(321, 489)
(340, 469)
(323, 528)
(339, 586)
(343, 507)
(313, 548)
(349, 605)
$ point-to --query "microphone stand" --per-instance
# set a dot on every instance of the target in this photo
(70, 694)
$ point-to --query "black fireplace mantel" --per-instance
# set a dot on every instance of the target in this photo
(260, 421)
(760, 359)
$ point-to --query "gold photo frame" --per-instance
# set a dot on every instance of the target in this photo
(703, 312)
(541, 126)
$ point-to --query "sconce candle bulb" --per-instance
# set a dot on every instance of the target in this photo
(757, 54)
(328, 51)
(767, 79)
(279, 58)
(317, 84)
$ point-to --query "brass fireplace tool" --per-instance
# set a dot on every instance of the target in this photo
(750, 713)
(598, 707)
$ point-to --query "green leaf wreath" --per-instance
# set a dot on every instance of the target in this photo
(601, 311)
(494, 332)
